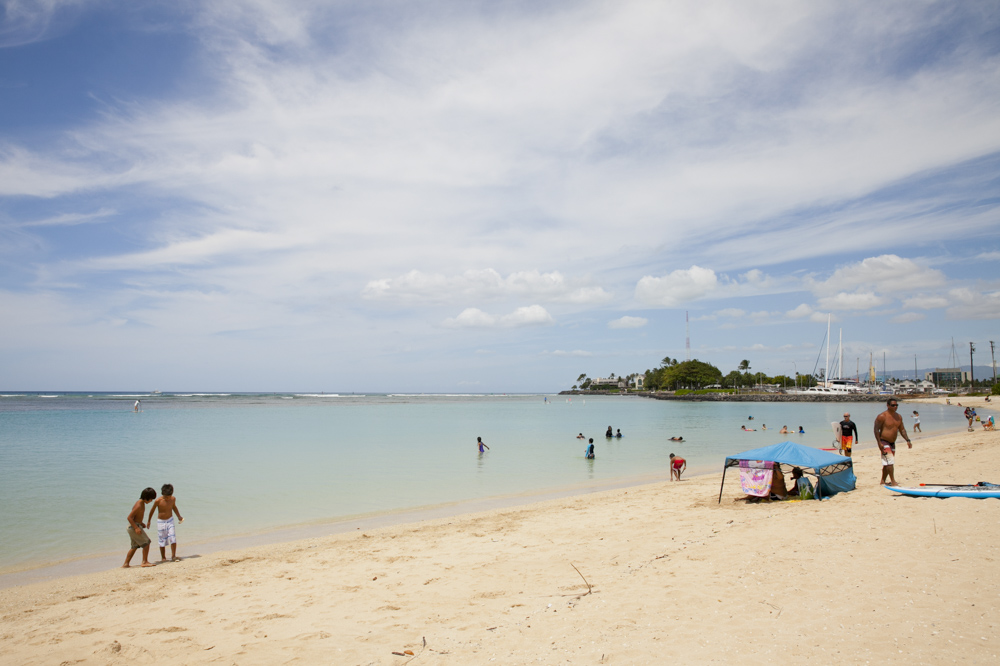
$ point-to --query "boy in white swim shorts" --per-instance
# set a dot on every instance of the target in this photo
(166, 507)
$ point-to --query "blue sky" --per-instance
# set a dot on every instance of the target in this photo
(433, 196)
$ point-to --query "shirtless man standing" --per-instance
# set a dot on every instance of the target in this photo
(888, 426)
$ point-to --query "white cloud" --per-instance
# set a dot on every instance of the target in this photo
(592, 139)
(856, 301)
(886, 273)
(575, 352)
(676, 288)
(908, 317)
(799, 312)
(485, 284)
(628, 322)
(926, 302)
(532, 315)
(970, 304)
(71, 219)
(224, 243)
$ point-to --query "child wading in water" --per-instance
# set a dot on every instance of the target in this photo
(137, 535)
(167, 507)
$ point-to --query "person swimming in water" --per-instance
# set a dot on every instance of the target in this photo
(479, 441)
(590, 450)
(676, 439)
(618, 435)
(610, 433)
(580, 436)
(784, 430)
(802, 430)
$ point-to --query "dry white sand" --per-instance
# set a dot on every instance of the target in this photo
(865, 577)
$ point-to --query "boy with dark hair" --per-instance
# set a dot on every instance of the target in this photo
(166, 507)
(136, 532)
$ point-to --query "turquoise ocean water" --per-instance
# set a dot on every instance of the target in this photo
(72, 465)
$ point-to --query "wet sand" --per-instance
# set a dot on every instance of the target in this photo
(635, 575)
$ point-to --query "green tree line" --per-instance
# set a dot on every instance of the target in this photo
(675, 374)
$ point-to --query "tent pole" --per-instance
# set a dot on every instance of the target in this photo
(724, 469)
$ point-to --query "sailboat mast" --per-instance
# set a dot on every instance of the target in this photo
(826, 373)
(840, 365)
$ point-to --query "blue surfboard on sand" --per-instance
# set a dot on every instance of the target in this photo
(975, 492)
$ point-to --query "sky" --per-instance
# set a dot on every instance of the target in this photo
(491, 196)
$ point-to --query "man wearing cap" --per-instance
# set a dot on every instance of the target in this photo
(848, 433)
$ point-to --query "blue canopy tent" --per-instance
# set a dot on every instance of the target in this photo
(834, 473)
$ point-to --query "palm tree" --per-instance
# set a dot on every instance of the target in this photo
(744, 365)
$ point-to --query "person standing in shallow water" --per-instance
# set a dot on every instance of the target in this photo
(590, 450)
(482, 447)
(848, 434)
(677, 466)
(888, 426)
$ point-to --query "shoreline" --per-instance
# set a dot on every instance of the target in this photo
(27, 574)
(98, 562)
(863, 576)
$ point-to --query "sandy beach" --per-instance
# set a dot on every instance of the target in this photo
(648, 574)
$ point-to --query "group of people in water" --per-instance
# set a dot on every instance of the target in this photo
(589, 451)
(784, 429)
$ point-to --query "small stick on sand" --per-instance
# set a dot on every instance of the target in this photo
(589, 588)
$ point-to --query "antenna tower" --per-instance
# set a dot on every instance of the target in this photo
(687, 335)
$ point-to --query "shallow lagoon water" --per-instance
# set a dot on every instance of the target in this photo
(72, 465)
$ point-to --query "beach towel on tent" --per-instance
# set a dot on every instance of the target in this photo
(755, 477)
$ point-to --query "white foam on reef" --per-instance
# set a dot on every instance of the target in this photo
(48, 396)
(130, 395)
(317, 395)
(11, 395)
(446, 395)
(203, 395)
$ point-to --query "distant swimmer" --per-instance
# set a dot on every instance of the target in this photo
(764, 427)
(580, 436)
(609, 434)
(749, 418)
(784, 430)
(590, 450)
(746, 429)
(479, 441)
(618, 434)
(677, 465)
(802, 430)
(676, 439)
